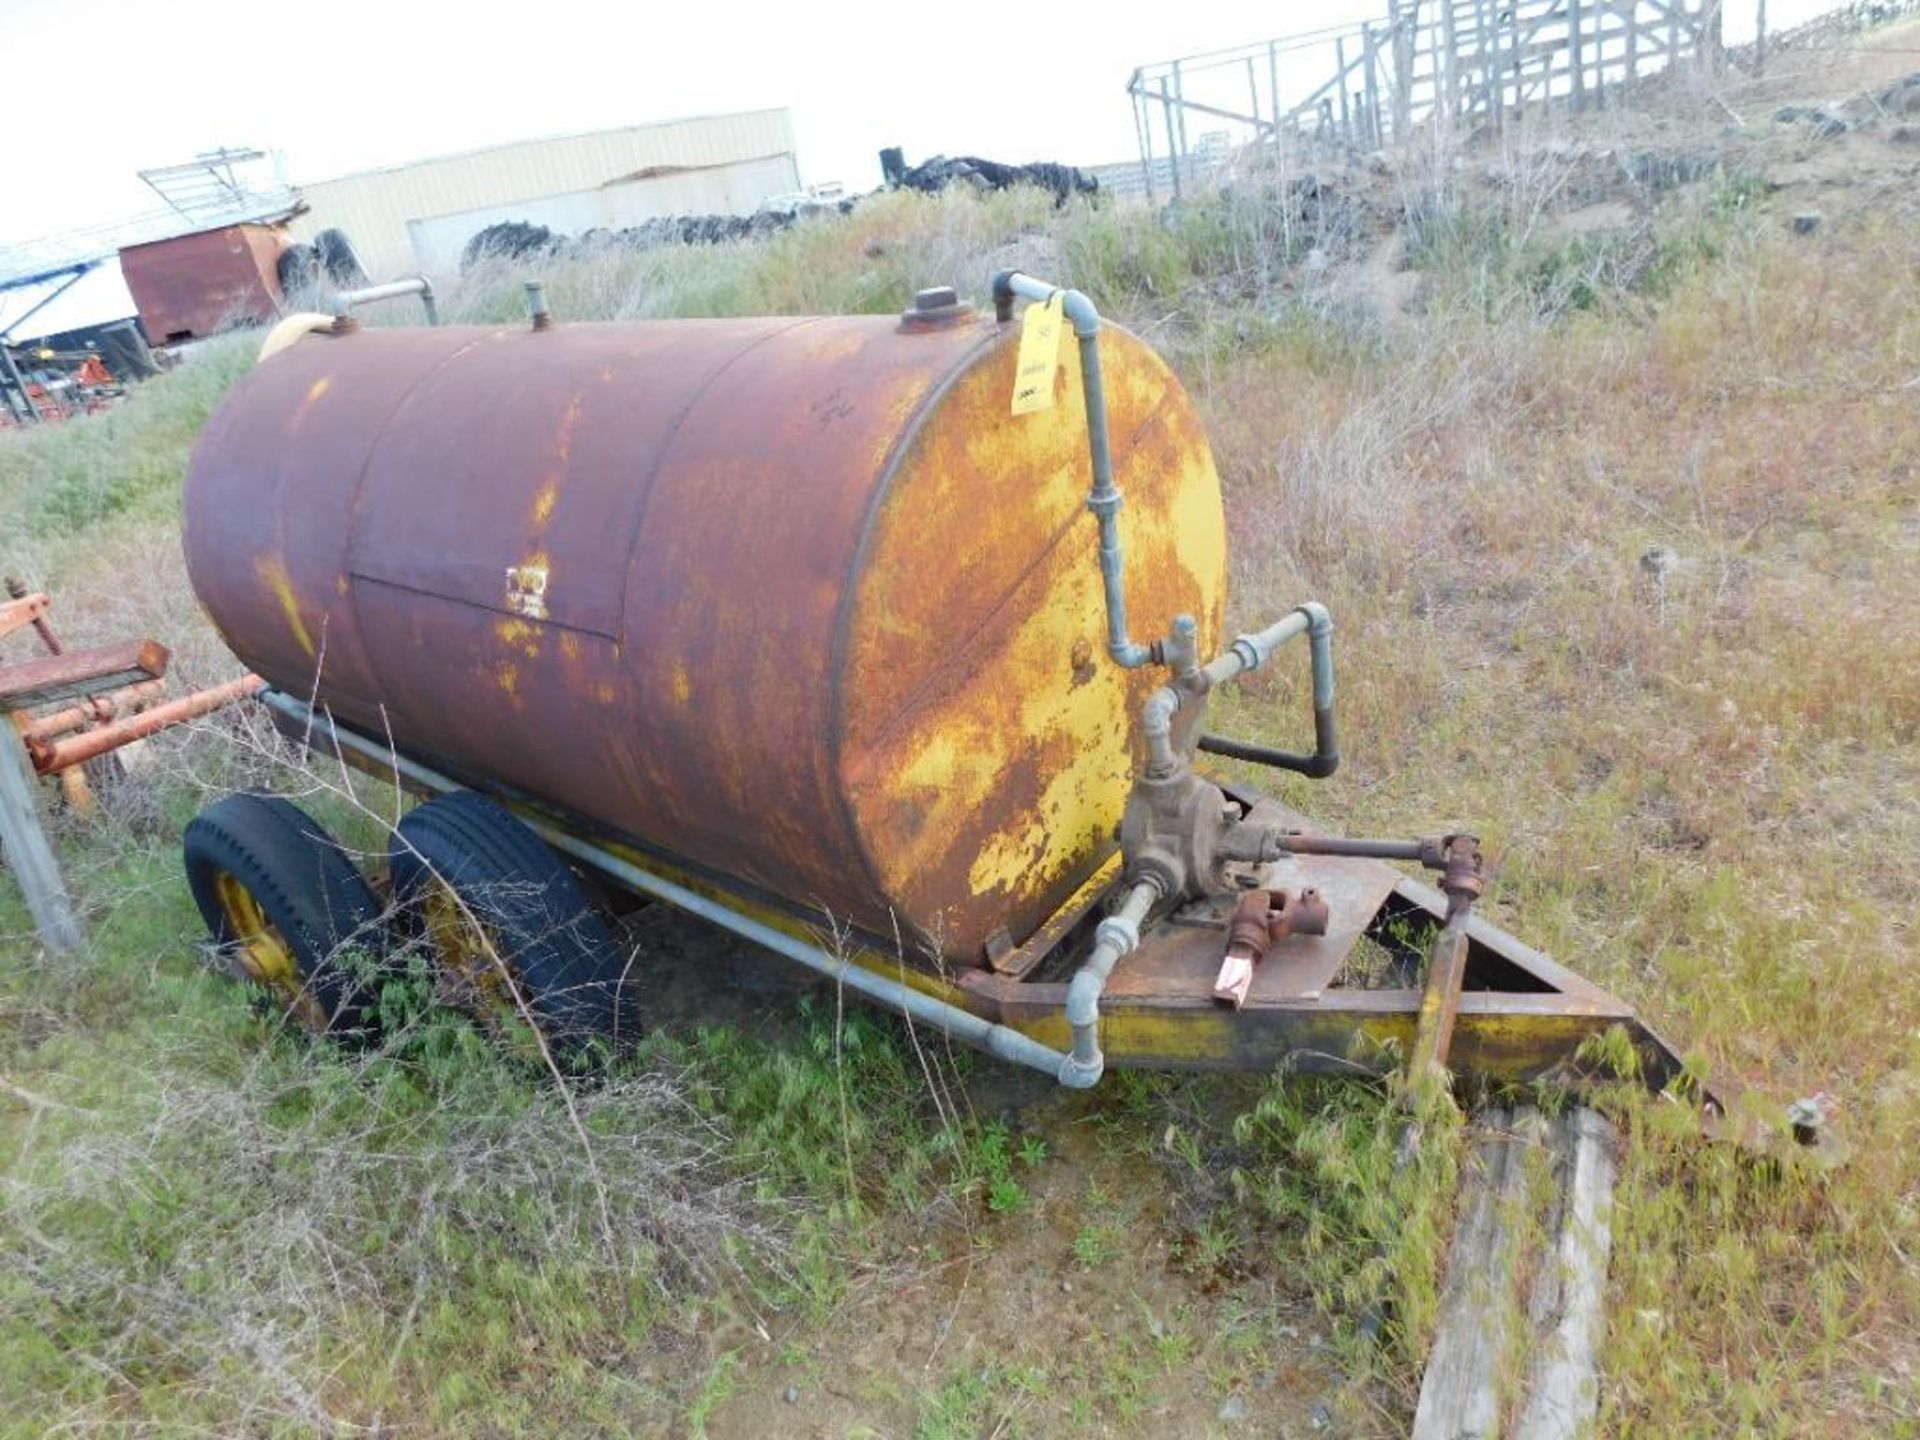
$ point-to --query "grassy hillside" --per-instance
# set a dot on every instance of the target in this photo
(1621, 528)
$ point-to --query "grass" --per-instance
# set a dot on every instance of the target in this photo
(1703, 785)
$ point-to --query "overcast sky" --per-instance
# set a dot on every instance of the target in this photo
(99, 89)
(341, 85)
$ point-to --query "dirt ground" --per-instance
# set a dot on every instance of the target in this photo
(1165, 1347)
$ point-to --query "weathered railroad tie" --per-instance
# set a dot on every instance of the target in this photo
(1527, 1276)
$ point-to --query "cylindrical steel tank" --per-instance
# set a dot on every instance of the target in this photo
(797, 600)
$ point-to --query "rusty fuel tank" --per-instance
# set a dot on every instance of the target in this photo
(798, 601)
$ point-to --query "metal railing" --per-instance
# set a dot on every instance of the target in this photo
(1367, 86)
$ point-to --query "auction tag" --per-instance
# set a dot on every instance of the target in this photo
(1039, 356)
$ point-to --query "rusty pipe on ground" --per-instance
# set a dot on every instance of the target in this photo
(96, 710)
(1103, 499)
(43, 627)
(51, 757)
(1117, 937)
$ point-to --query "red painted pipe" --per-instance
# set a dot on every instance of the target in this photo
(96, 709)
(51, 757)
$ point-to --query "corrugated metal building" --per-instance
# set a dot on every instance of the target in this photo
(712, 164)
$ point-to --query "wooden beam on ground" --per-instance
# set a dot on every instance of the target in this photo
(1563, 1394)
(1503, 1244)
(29, 856)
(30, 684)
(1459, 1394)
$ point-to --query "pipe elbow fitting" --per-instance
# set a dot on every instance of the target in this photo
(1003, 295)
(1156, 716)
(1078, 1074)
(1079, 309)
(1083, 997)
(1319, 618)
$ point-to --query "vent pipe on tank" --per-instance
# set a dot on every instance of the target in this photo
(537, 305)
(1104, 498)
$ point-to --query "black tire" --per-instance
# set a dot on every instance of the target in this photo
(296, 270)
(309, 896)
(562, 959)
(337, 258)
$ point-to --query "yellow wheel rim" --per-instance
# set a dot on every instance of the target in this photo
(264, 954)
(475, 964)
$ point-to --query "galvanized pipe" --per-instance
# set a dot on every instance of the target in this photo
(1104, 497)
(1117, 937)
(419, 285)
(16, 385)
(537, 305)
(1000, 1041)
(1248, 653)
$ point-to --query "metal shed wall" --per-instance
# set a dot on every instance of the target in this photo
(374, 208)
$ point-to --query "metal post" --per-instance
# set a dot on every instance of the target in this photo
(1760, 42)
(1485, 56)
(1185, 157)
(1340, 68)
(1576, 67)
(1273, 86)
(1446, 88)
(1402, 20)
(29, 855)
(17, 386)
(1370, 58)
(1173, 144)
(1143, 127)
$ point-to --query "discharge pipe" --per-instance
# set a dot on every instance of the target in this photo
(1117, 937)
(1248, 653)
(1000, 1041)
(1104, 498)
(347, 300)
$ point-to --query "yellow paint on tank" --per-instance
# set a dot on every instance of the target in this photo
(521, 635)
(983, 702)
(272, 570)
(315, 393)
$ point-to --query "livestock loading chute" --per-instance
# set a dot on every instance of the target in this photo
(837, 632)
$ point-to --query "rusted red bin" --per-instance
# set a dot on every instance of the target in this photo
(798, 601)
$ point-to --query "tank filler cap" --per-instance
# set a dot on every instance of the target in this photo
(937, 309)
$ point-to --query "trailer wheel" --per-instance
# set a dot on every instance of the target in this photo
(287, 910)
(510, 928)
